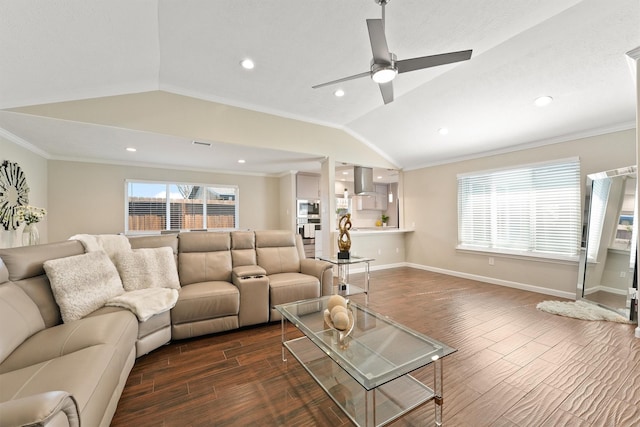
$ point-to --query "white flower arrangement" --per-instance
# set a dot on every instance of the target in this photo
(30, 214)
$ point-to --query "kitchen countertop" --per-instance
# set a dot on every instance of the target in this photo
(364, 231)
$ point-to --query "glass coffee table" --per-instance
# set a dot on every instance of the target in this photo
(367, 372)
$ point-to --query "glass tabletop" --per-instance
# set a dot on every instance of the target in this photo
(350, 260)
(376, 351)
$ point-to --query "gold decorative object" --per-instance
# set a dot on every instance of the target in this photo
(344, 240)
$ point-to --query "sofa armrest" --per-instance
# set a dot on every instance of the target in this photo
(323, 270)
(253, 285)
(40, 410)
(247, 271)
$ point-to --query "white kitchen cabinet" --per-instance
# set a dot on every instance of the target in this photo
(307, 186)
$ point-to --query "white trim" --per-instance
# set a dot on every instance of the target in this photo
(22, 143)
(605, 289)
(528, 256)
(529, 145)
(491, 280)
(543, 163)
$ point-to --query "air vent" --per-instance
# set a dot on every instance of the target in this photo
(204, 144)
(363, 180)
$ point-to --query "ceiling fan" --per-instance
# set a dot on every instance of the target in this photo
(385, 67)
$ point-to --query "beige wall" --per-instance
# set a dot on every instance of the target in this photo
(430, 201)
(35, 170)
(89, 197)
(287, 202)
(183, 116)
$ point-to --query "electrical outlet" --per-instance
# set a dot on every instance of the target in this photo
(397, 250)
(379, 251)
(623, 274)
(491, 261)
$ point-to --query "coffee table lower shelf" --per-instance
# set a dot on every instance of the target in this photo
(375, 407)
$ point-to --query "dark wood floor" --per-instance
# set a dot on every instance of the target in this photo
(515, 366)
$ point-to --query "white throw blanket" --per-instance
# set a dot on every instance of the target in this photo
(145, 303)
(110, 243)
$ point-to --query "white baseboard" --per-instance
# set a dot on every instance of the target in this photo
(493, 281)
(605, 289)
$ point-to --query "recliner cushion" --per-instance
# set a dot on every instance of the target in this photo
(206, 300)
(289, 287)
(19, 317)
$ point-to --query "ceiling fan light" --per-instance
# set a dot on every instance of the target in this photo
(543, 101)
(384, 75)
(247, 64)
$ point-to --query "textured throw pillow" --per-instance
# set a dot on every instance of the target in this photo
(148, 268)
(83, 283)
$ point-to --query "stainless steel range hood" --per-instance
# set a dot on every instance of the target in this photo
(363, 180)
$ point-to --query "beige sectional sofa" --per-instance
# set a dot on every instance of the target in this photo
(66, 374)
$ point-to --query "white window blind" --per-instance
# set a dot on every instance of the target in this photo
(529, 210)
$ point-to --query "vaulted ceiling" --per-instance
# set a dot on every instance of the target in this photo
(53, 51)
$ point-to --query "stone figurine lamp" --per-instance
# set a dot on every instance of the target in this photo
(344, 238)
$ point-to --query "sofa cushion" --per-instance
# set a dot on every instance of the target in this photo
(26, 261)
(117, 328)
(276, 251)
(289, 287)
(203, 257)
(82, 283)
(19, 316)
(90, 375)
(147, 268)
(206, 300)
(243, 248)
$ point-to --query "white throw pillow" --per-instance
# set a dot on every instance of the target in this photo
(148, 268)
(81, 284)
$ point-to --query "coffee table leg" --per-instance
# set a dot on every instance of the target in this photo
(283, 333)
(370, 408)
(437, 389)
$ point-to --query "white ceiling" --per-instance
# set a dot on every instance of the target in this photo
(574, 51)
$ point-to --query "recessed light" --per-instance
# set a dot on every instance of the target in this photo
(131, 149)
(443, 131)
(247, 64)
(378, 177)
(345, 172)
(241, 161)
(339, 93)
(543, 101)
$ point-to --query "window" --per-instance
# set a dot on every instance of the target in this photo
(158, 206)
(528, 210)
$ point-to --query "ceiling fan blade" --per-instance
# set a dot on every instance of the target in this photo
(344, 79)
(387, 92)
(378, 41)
(413, 64)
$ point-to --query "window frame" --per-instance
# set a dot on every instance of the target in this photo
(167, 201)
(519, 253)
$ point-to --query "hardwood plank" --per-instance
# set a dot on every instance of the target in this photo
(515, 365)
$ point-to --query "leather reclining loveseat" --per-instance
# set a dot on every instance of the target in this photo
(62, 374)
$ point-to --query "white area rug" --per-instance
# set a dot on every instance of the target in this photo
(581, 310)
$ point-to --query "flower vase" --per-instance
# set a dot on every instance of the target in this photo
(30, 235)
